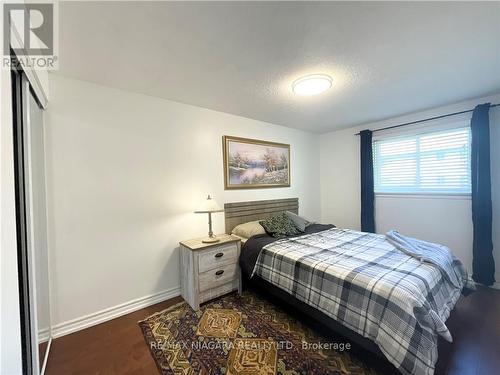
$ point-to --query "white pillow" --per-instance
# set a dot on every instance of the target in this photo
(247, 230)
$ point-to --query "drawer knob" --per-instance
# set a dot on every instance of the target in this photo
(218, 255)
(220, 272)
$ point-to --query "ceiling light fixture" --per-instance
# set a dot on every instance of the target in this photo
(313, 84)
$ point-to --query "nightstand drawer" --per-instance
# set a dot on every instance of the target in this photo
(217, 276)
(222, 255)
(219, 291)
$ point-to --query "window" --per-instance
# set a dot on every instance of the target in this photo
(432, 162)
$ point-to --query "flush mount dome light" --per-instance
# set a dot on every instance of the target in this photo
(313, 84)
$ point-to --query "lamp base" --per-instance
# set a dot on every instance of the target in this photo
(210, 240)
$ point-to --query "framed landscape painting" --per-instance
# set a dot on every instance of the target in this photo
(250, 163)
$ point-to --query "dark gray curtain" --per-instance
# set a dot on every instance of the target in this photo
(483, 265)
(367, 193)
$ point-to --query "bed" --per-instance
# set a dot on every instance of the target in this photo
(355, 283)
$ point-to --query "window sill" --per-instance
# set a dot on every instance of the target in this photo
(464, 196)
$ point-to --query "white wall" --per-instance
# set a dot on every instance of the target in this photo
(125, 172)
(446, 220)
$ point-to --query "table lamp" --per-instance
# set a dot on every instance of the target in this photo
(208, 206)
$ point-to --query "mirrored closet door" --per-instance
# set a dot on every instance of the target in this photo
(31, 225)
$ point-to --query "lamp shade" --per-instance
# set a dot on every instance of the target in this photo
(208, 205)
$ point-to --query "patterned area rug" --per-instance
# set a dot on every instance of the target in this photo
(242, 335)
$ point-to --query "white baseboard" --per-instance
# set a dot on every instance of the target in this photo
(102, 316)
(43, 335)
(495, 285)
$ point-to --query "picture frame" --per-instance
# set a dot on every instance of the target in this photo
(255, 164)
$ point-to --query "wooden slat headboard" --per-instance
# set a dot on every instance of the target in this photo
(242, 212)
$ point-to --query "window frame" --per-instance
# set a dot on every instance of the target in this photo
(416, 134)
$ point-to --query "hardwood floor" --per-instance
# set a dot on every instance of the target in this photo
(118, 347)
(475, 327)
(115, 347)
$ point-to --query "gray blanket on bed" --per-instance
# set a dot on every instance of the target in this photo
(438, 255)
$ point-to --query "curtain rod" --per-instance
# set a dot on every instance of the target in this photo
(428, 119)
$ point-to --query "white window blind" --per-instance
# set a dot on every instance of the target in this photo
(432, 162)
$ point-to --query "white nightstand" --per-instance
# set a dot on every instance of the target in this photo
(209, 270)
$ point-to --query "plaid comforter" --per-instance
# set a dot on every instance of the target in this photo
(362, 281)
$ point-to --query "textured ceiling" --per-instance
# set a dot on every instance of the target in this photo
(386, 59)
